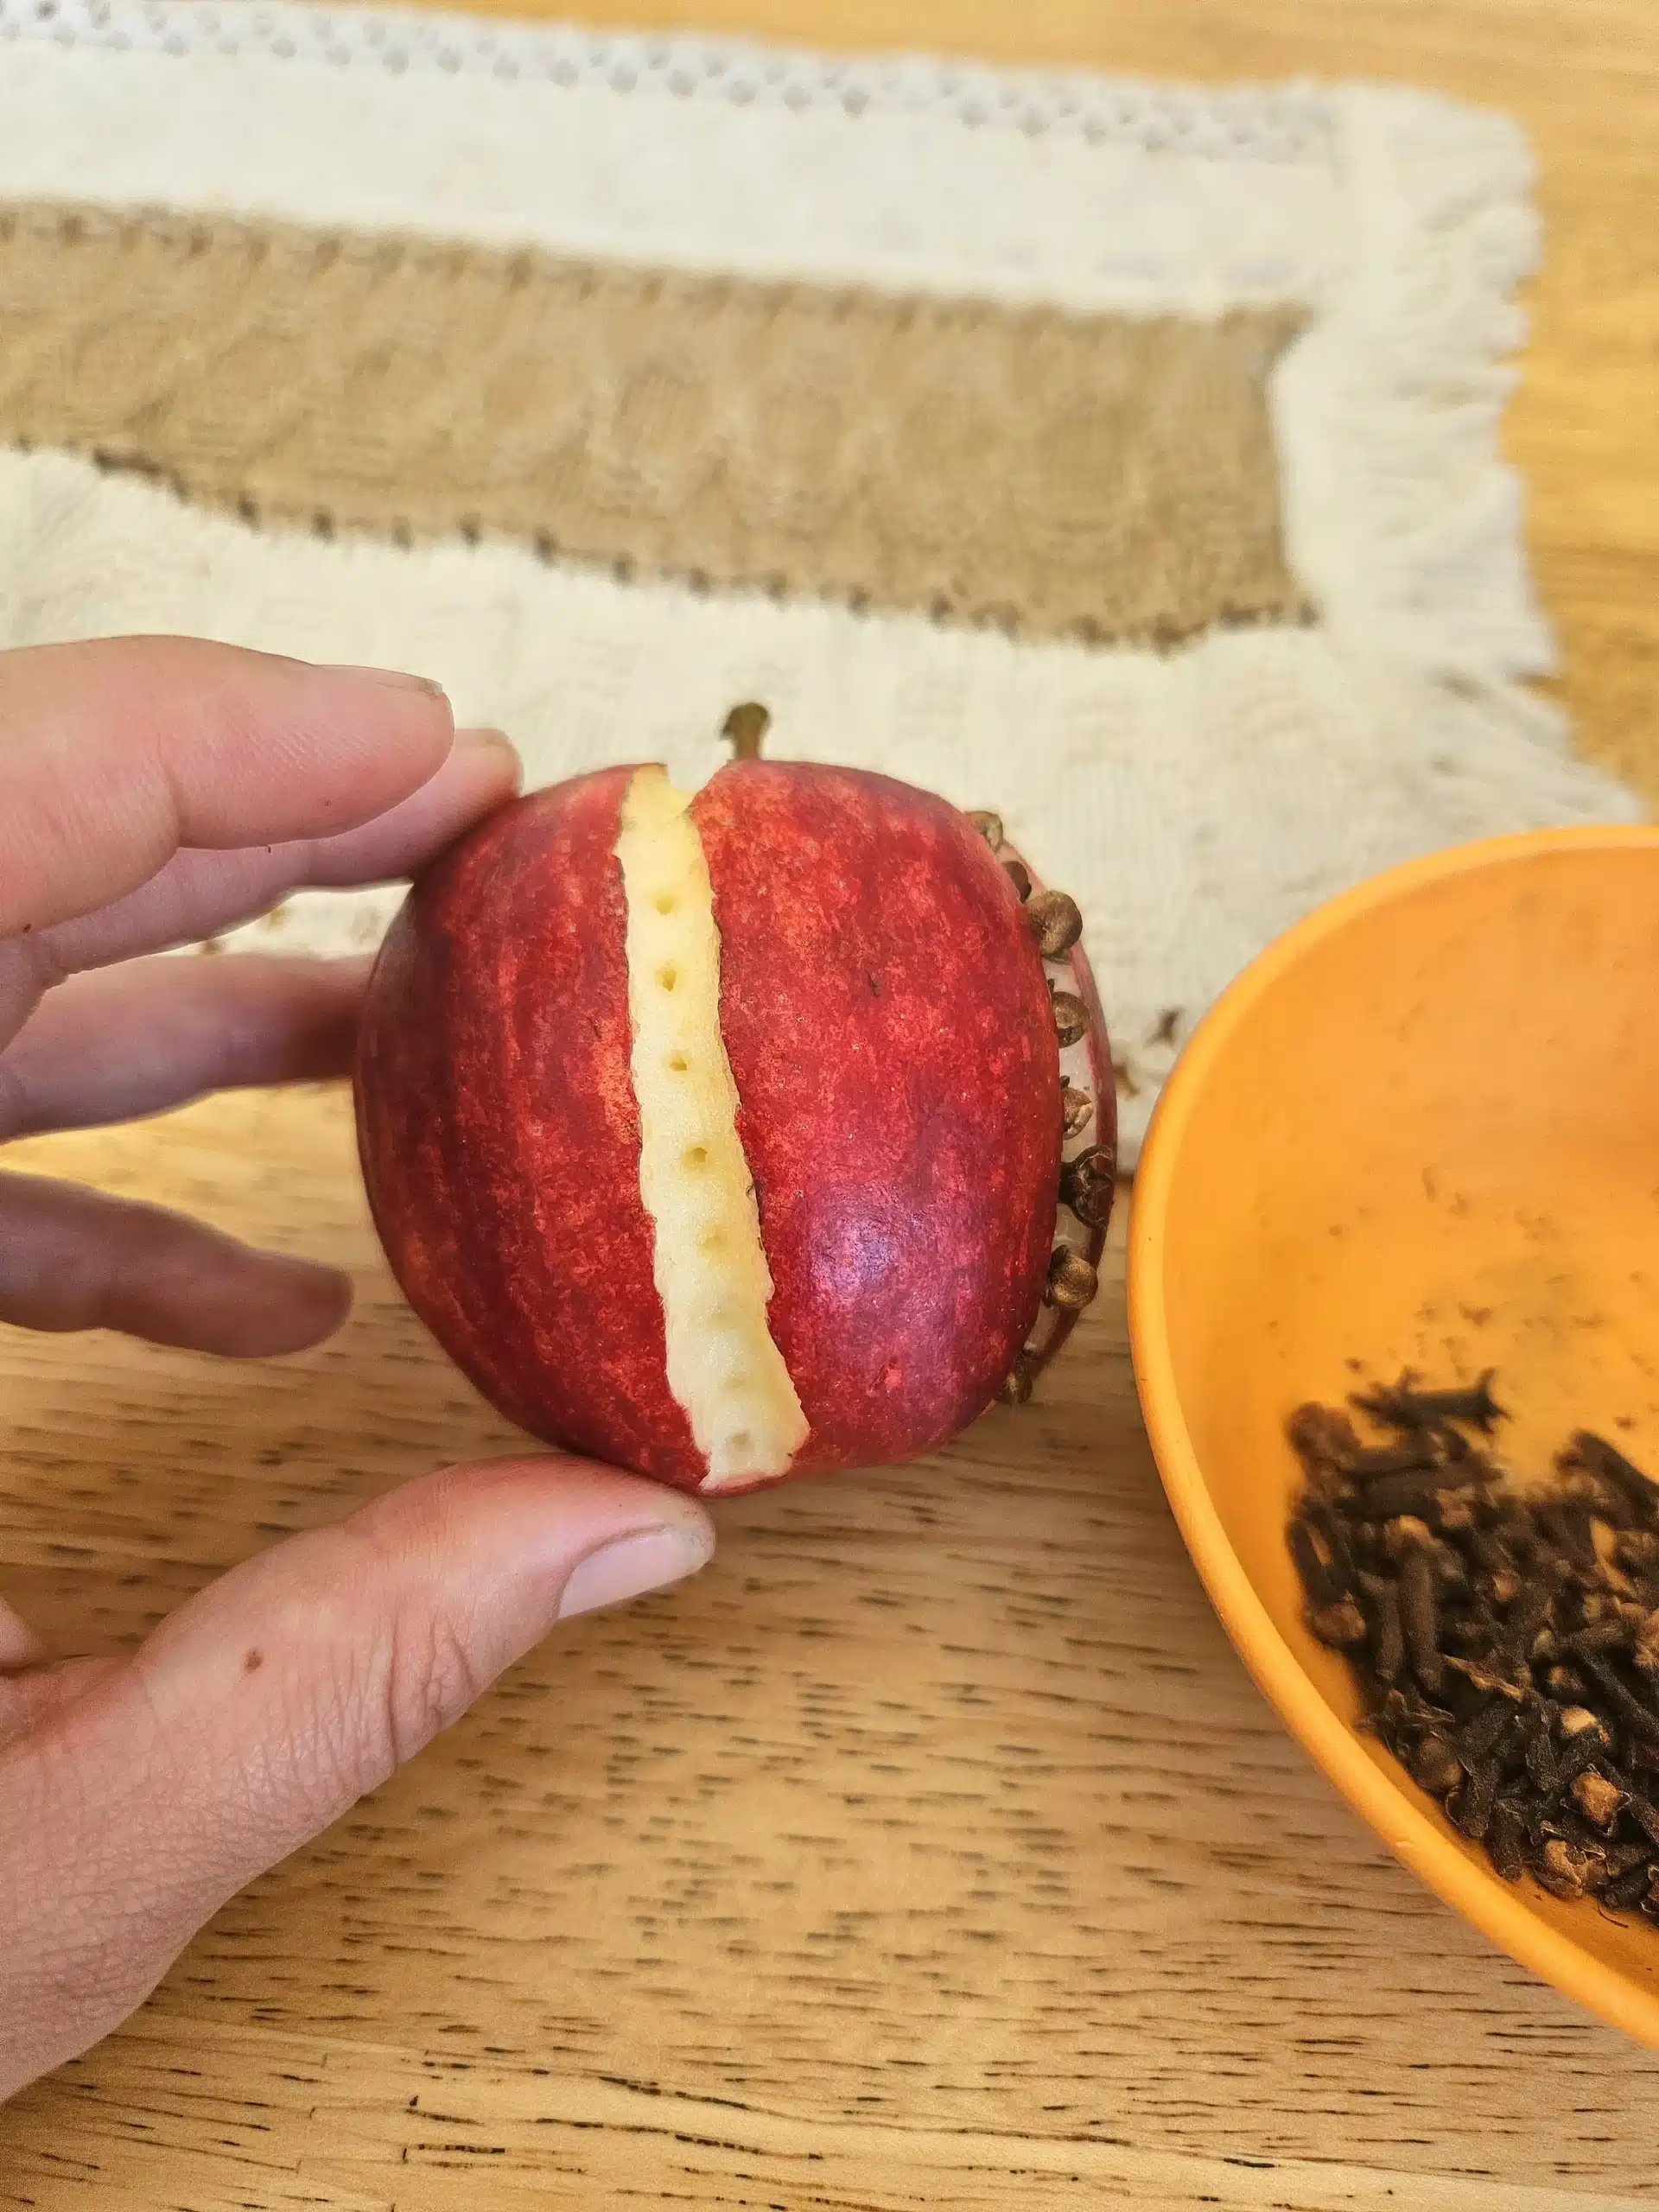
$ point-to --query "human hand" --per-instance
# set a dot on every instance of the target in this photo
(153, 791)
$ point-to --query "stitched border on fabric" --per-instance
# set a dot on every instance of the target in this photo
(1102, 477)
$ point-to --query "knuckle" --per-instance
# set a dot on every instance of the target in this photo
(431, 1680)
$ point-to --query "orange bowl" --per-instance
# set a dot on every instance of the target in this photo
(1422, 1130)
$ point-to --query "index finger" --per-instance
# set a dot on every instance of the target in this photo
(116, 753)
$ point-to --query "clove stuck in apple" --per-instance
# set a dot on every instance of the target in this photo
(728, 1137)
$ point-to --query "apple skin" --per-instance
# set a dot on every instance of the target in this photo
(887, 1022)
(500, 1136)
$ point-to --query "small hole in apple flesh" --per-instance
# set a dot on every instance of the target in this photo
(668, 977)
(696, 1155)
(678, 1063)
(664, 902)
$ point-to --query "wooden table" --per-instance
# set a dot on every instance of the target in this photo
(934, 1849)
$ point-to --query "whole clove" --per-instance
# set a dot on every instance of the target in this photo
(1623, 1893)
(1420, 1618)
(1054, 919)
(1506, 1838)
(1323, 1438)
(1477, 1738)
(1609, 1635)
(1077, 1108)
(1505, 1640)
(1644, 1813)
(1607, 1460)
(1404, 1534)
(1471, 1808)
(1404, 1406)
(1415, 1456)
(1574, 1757)
(1565, 1868)
(1543, 1770)
(1086, 1184)
(1321, 1579)
(1626, 1705)
(1597, 1798)
(1394, 1495)
(1436, 1767)
(1568, 1527)
(1341, 1625)
(1527, 1613)
(1071, 1016)
(1382, 1601)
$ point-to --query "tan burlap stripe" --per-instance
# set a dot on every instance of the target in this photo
(1093, 476)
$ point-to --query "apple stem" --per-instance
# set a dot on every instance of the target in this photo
(744, 730)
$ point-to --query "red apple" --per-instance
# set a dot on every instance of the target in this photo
(723, 1140)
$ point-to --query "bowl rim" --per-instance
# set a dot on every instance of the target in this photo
(1387, 1805)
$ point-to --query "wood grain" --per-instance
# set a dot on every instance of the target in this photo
(933, 1847)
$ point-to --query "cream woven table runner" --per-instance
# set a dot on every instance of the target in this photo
(1120, 457)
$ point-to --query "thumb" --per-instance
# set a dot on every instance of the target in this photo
(269, 1704)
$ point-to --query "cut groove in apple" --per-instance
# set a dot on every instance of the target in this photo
(709, 1262)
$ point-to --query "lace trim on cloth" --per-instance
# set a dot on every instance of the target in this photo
(1101, 477)
(1266, 124)
(909, 199)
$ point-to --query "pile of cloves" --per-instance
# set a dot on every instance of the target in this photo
(1504, 1639)
(1087, 1179)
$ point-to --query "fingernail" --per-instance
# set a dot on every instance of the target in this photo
(630, 1566)
(490, 741)
(398, 678)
